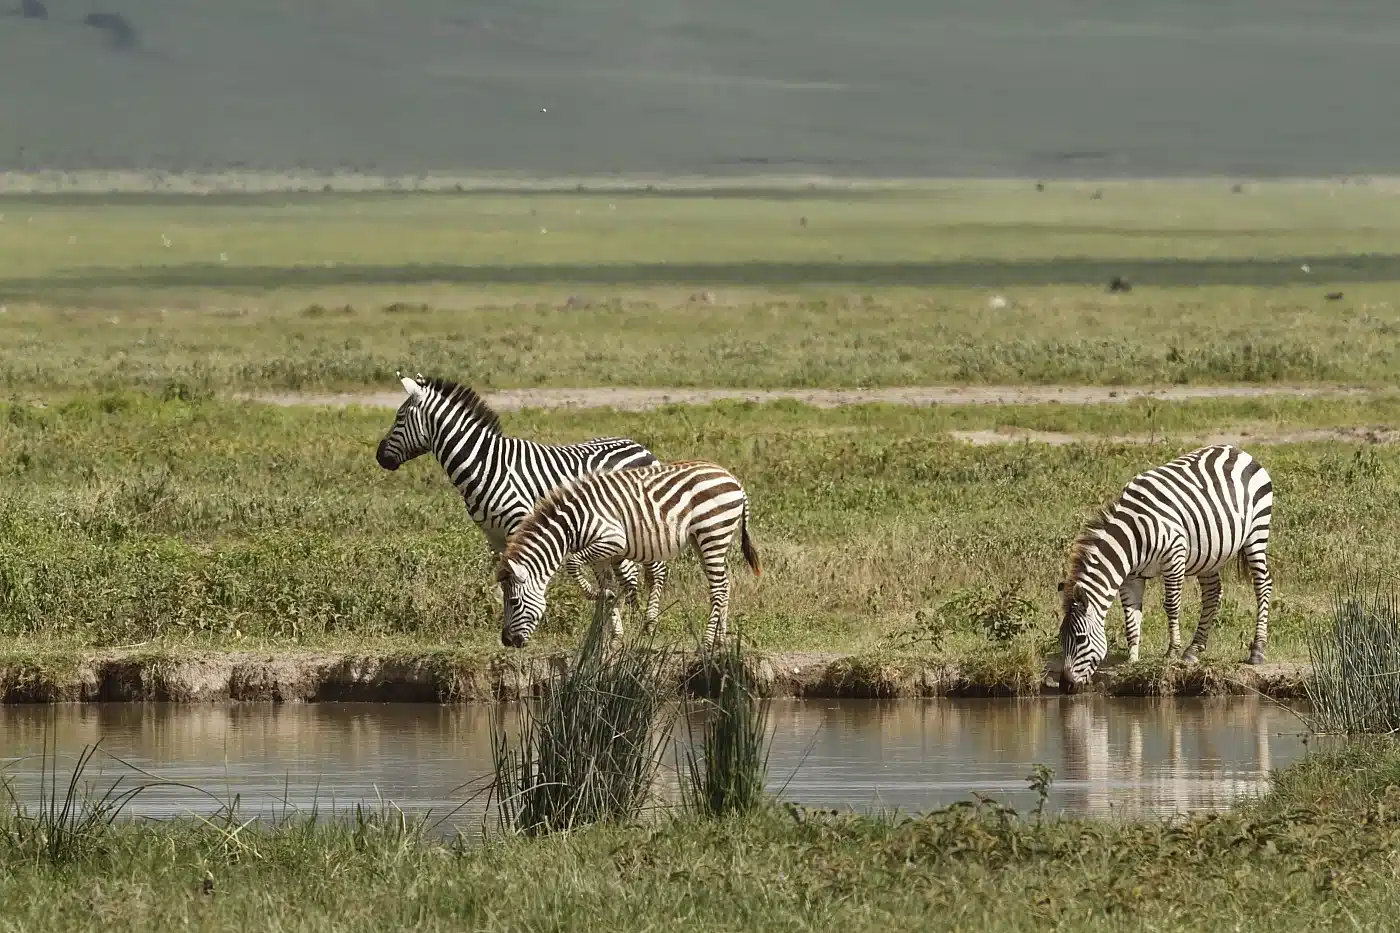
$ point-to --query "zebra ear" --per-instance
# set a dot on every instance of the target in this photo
(516, 571)
(412, 388)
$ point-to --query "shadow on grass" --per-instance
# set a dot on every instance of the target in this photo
(1160, 272)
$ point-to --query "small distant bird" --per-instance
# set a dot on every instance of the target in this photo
(1097, 195)
(544, 110)
(997, 302)
(1119, 284)
(1305, 267)
(803, 221)
(165, 239)
(1040, 186)
(1333, 296)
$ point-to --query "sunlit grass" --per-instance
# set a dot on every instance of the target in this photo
(127, 520)
(967, 283)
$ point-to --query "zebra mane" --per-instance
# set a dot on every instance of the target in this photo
(1079, 552)
(461, 396)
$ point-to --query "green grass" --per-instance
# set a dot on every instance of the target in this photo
(726, 770)
(589, 748)
(128, 519)
(879, 288)
(1314, 854)
(1355, 686)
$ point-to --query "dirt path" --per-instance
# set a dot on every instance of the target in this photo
(1310, 435)
(630, 399)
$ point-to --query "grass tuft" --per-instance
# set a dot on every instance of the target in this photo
(727, 776)
(591, 744)
(64, 829)
(1355, 687)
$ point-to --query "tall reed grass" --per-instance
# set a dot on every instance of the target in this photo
(728, 773)
(1355, 686)
(590, 745)
(64, 828)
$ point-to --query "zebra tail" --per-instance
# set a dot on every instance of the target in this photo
(746, 543)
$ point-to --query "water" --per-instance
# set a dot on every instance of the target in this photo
(1129, 757)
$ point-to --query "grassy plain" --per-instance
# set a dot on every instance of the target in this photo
(127, 519)
(143, 506)
(1316, 853)
(876, 286)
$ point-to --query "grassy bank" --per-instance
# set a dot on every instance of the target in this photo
(1315, 853)
(135, 525)
(742, 288)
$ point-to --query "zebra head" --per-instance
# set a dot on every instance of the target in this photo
(1083, 641)
(524, 602)
(411, 435)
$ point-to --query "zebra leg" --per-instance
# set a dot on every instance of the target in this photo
(1131, 596)
(1173, 581)
(574, 565)
(1263, 592)
(713, 561)
(1210, 605)
(656, 579)
(627, 571)
(607, 586)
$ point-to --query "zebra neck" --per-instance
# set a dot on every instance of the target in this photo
(471, 456)
(558, 536)
(1103, 574)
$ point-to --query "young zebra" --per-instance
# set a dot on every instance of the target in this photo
(500, 478)
(1186, 518)
(646, 514)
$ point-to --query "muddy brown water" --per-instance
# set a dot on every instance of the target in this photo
(1132, 757)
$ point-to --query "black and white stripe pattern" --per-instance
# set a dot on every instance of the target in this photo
(500, 478)
(648, 514)
(1186, 518)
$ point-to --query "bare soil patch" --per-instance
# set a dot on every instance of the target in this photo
(1355, 435)
(635, 399)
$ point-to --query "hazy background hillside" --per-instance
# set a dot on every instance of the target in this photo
(879, 87)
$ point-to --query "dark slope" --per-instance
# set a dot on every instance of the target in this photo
(924, 87)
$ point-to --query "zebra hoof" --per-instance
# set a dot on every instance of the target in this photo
(1190, 657)
(1256, 657)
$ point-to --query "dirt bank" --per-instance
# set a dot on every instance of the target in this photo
(447, 677)
(632, 399)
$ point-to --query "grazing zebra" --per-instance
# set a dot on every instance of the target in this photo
(645, 514)
(500, 478)
(1186, 518)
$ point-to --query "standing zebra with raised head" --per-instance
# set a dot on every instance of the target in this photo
(500, 478)
(647, 514)
(1186, 518)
